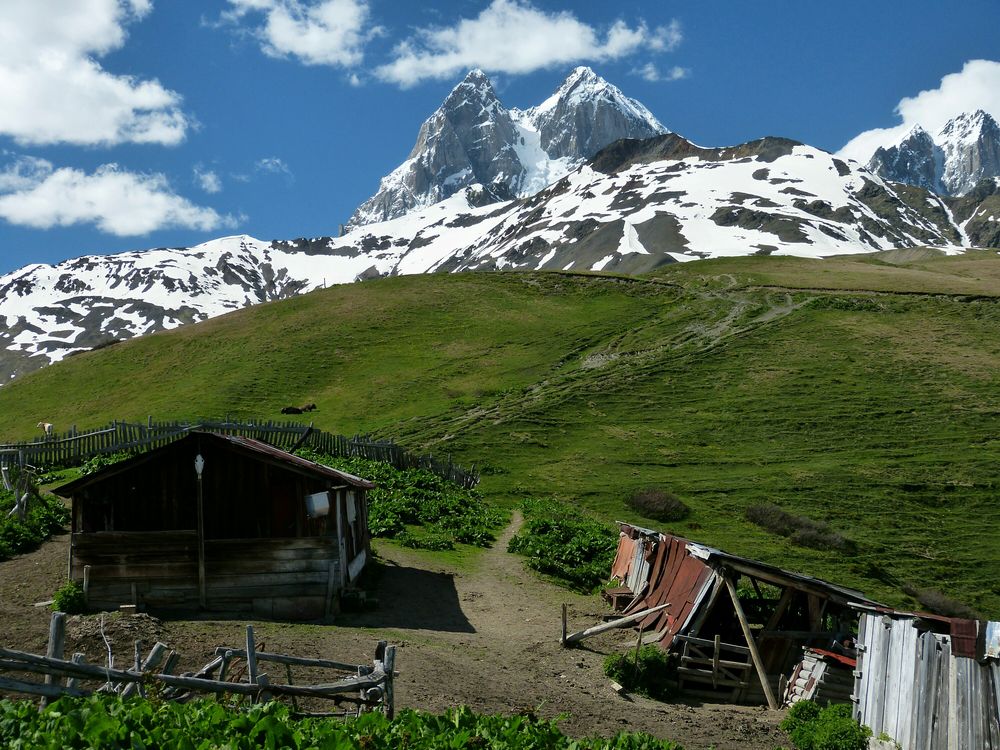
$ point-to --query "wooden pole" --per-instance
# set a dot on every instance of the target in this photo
(57, 636)
(562, 638)
(201, 547)
(331, 587)
(389, 665)
(758, 663)
(86, 585)
(78, 658)
(579, 636)
(251, 656)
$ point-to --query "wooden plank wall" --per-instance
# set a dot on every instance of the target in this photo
(267, 577)
(162, 565)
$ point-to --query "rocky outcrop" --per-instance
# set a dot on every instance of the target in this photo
(951, 162)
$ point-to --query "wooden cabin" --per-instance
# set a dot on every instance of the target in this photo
(218, 523)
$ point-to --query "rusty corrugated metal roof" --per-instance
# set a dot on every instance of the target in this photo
(675, 577)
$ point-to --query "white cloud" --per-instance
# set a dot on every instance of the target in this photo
(653, 74)
(35, 194)
(23, 172)
(54, 91)
(207, 180)
(515, 37)
(273, 165)
(976, 86)
(316, 32)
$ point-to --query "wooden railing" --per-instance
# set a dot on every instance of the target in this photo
(73, 448)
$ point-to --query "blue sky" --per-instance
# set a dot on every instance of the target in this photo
(132, 124)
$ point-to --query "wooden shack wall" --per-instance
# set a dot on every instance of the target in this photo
(293, 578)
(263, 554)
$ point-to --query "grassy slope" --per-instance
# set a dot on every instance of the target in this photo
(874, 412)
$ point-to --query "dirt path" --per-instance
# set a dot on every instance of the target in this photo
(481, 631)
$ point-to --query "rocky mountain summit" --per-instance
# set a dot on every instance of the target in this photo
(472, 139)
(953, 161)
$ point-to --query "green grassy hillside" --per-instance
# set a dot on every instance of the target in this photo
(861, 392)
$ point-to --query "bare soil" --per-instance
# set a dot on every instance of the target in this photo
(482, 632)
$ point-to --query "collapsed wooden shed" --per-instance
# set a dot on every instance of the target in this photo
(219, 523)
(737, 626)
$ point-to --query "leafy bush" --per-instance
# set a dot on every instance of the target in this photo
(46, 515)
(114, 724)
(653, 673)
(69, 599)
(658, 504)
(98, 462)
(830, 728)
(415, 497)
(559, 541)
(432, 540)
(802, 531)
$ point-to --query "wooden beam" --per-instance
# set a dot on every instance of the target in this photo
(285, 659)
(780, 609)
(779, 580)
(758, 663)
(621, 622)
(201, 547)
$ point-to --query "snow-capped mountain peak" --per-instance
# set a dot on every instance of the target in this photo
(965, 150)
(472, 139)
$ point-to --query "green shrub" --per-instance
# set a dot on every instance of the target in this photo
(560, 541)
(830, 728)
(658, 504)
(800, 530)
(431, 539)
(46, 515)
(69, 599)
(110, 723)
(653, 673)
(98, 462)
(416, 497)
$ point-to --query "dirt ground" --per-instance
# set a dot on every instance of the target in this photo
(483, 633)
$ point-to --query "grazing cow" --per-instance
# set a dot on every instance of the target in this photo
(45, 427)
(291, 410)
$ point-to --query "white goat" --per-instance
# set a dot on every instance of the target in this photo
(45, 427)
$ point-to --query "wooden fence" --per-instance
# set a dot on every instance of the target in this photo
(360, 687)
(72, 448)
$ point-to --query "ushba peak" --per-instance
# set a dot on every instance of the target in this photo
(472, 139)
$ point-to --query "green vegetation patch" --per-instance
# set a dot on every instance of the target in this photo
(830, 728)
(446, 513)
(561, 542)
(649, 671)
(69, 598)
(45, 517)
(109, 723)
